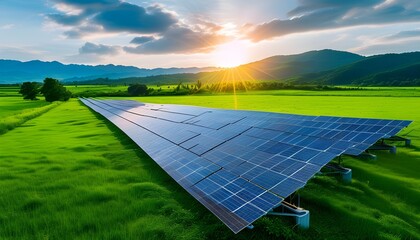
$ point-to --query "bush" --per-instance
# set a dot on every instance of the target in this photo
(137, 90)
(53, 90)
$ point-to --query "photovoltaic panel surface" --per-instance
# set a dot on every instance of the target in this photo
(240, 164)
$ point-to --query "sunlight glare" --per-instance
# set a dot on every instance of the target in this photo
(231, 54)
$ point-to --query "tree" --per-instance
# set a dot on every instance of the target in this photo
(199, 84)
(53, 90)
(29, 90)
(137, 89)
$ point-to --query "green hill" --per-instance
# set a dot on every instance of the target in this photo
(379, 70)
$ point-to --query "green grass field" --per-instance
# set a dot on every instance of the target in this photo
(69, 174)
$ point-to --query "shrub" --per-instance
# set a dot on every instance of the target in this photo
(137, 90)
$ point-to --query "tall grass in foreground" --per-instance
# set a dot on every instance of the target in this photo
(10, 122)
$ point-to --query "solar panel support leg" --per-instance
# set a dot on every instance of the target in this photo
(250, 226)
(346, 173)
(367, 156)
(301, 215)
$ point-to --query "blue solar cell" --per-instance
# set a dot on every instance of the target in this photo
(360, 137)
(342, 145)
(249, 213)
(271, 198)
(220, 195)
(287, 187)
(246, 195)
(277, 148)
(322, 158)
(305, 173)
(232, 203)
(305, 154)
(207, 186)
(280, 167)
(291, 151)
(321, 144)
(234, 188)
(271, 162)
(241, 169)
(253, 172)
(293, 168)
(268, 179)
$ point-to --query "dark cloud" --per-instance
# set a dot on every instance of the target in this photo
(113, 16)
(98, 49)
(179, 40)
(404, 35)
(82, 31)
(135, 19)
(64, 19)
(88, 3)
(312, 15)
(141, 40)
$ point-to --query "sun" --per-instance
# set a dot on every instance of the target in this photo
(230, 54)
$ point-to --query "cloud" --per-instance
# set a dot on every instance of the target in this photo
(387, 47)
(141, 40)
(83, 31)
(135, 19)
(7, 26)
(180, 40)
(159, 30)
(22, 53)
(98, 49)
(313, 15)
(404, 35)
(66, 19)
(111, 16)
(87, 3)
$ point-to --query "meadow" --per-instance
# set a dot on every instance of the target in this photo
(68, 173)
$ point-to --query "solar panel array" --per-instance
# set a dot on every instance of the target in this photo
(240, 164)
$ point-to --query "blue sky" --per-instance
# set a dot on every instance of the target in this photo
(171, 33)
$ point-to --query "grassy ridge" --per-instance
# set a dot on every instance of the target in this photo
(70, 174)
(12, 121)
(15, 105)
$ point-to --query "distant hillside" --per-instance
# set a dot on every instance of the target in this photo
(12, 71)
(379, 70)
(150, 80)
(406, 76)
(286, 66)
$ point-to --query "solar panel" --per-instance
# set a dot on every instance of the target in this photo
(240, 164)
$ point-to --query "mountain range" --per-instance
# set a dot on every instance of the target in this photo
(323, 67)
(12, 71)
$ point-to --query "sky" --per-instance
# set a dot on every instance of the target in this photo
(200, 33)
